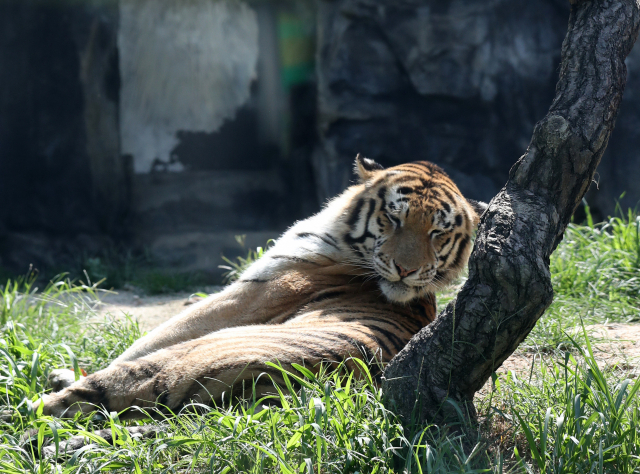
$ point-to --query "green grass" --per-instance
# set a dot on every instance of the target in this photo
(332, 423)
(234, 268)
(595, 274)
(118, 268)
(54, 327)
(570, 415)
(123, 269)
(565, 414)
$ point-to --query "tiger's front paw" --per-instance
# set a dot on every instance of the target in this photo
(60, 379)
(61, 405)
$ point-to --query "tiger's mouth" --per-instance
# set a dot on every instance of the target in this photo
(398, 291)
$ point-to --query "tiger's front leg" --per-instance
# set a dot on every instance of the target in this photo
(215, 367)
(241, 304)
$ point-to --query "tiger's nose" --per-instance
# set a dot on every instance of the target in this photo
(402, 272)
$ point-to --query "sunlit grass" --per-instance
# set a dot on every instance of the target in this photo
(234, 268)
(564, 415)
(595, 277)
(569, 415)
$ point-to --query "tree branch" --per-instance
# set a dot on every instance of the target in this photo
(509, 285)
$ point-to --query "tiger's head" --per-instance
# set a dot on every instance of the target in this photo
(410, 226)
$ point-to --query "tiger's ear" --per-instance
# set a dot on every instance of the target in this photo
(365, 168)
(478, 206)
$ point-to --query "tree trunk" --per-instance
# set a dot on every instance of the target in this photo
(509, 285)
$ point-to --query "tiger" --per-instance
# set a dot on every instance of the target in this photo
(357, 279)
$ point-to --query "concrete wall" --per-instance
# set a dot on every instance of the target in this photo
(102, 100)
(168, 124)
(203, 114)
(185, 66)
(63, 183)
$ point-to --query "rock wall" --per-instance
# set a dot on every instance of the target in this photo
(459, 82)
(619, 170)
(100, 99)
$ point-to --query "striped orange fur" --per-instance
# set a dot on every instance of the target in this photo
(356, 279)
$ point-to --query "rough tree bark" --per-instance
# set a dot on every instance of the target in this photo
(509, 284)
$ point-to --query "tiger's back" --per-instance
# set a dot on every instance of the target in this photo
(357, 279)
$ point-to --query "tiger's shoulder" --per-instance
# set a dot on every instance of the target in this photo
(408, 227)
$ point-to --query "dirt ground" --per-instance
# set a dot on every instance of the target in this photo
(150, 311)
(613, 343)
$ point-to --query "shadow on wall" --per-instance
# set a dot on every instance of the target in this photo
(165, 125)
(173, 126)
(235, 146)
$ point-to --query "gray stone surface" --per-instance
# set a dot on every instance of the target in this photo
(619, 170)
(208, 201)
(189, 220)
(460, 83)
(43, 139)
(185, 65)
(91, 91)
(63, 183)
(457, 82)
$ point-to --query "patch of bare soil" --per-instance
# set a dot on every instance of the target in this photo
(150, 311)
(613, 344)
